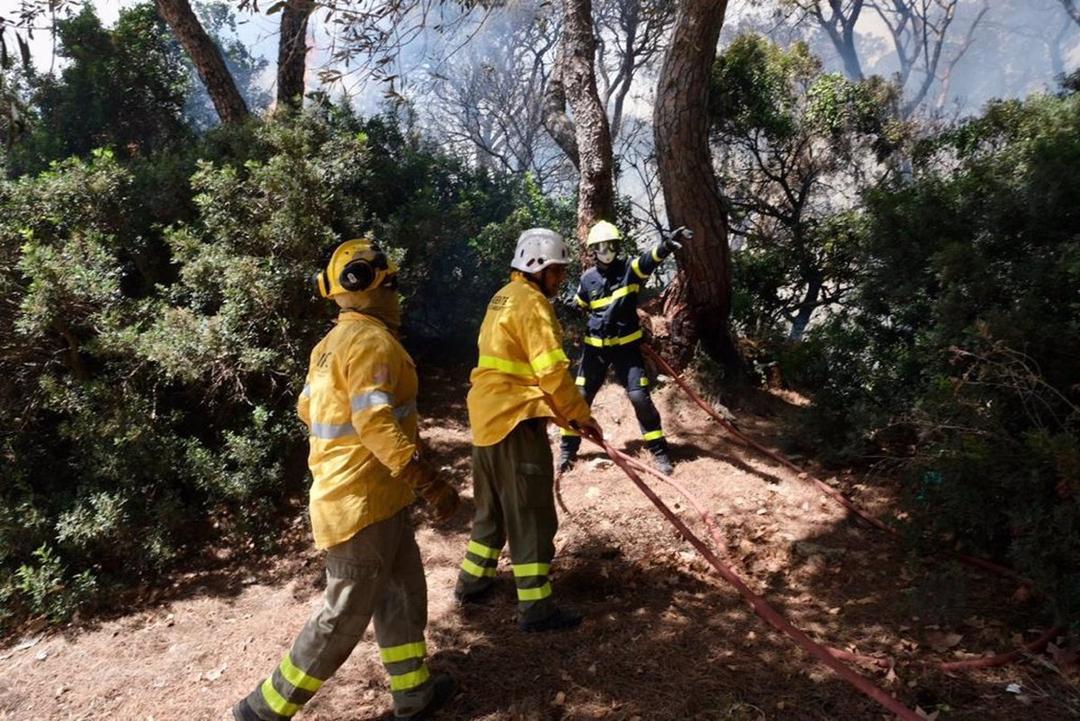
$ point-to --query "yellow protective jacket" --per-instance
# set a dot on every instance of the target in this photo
(359, 404)
(522, 371)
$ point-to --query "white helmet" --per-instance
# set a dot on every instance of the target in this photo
(537, 248)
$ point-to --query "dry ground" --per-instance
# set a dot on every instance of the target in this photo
(663, 638)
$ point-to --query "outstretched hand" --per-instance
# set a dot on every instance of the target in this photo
(675, 239)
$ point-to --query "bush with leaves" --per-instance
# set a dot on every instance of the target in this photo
(113, 458)
(155, 346)
(956, 355)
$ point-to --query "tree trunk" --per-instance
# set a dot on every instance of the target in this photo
(698, 303)
(207, 59)
(850, 56)
(292, 54)
(806, 308)
(596, 189)
(840, 27)
(555, 120)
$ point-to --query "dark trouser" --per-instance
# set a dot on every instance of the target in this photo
(513, 484)
(631, 374)
(376, 573)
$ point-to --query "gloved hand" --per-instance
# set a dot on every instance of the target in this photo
(591, 426)
(426, 482)
(675, 239)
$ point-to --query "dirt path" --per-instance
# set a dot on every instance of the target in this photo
(663, 639)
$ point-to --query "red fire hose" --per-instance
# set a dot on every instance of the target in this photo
(821, 485)
(1003, 659)
(757, 603)
(1000, 659)
(830, 657)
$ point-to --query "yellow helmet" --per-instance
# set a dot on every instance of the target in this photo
(603, 231)
(354, 266)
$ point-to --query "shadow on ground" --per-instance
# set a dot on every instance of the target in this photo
(664, 638)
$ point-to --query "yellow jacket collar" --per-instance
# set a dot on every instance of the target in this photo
(519, 277)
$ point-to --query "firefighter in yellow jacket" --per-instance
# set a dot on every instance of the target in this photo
(359, 404)
(521, 380)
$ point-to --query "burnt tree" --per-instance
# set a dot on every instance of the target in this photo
(839, 24)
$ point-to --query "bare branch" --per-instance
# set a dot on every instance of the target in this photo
(945, 77)
(839, 26)
(630, 36)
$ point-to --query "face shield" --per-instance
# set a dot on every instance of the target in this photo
(604, 251)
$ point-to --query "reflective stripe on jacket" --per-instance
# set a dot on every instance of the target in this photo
(611, 296)
(360, 407)
(522, 371)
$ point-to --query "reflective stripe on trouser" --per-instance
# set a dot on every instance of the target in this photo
(648, 418)
(532, 581)
(513, 492)
(631, 374)
(478, 568)
(375, 575)
(408, 673)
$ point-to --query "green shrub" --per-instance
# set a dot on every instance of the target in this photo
(50, 589)
(955, 355)
(156, 345)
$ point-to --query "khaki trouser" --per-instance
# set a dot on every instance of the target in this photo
(513, 490)
(375, 574)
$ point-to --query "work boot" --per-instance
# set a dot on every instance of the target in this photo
(663, 463)
(484, 594)
(242, 712)
(444, 688)
(566, 460)
(563, 619)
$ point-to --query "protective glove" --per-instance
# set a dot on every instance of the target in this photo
(590, 426)
(425, 481)
(675, 239)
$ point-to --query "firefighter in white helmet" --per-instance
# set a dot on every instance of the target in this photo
(359, 403)
(608, 291)
(522, 379)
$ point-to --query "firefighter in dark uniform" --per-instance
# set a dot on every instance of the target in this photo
(609, 293)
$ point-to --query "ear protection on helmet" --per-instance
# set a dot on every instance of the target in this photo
(362, 274)
(354, 266)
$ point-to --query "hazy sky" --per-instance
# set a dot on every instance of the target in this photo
(1010, 55)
